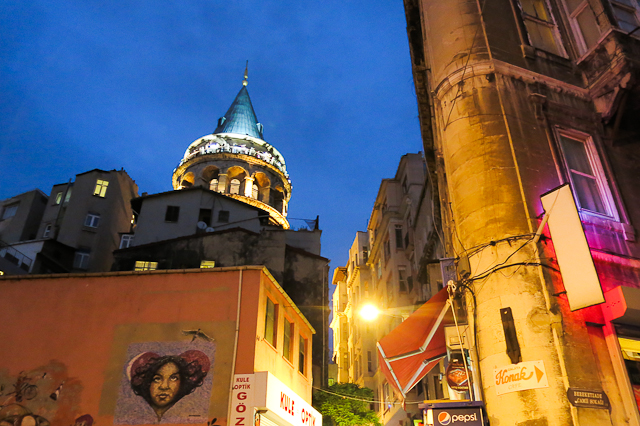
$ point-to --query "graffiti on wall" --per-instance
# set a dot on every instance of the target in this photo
(40, 397)
(166, 382)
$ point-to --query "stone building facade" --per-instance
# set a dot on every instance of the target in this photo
(516, 98)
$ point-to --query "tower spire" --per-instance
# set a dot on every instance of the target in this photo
(246, 74)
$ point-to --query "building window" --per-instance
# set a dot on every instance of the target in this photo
(223, 216)
(213, 185)
(172, 214)
(234, 187)
(402, 278)
(10, 211)
(387, 250)
(101, 188)
(584, 24)
(365, 254)
(68, 196)
(205, 216)
(369, 362)
(302, 355)
(207, 264)
(399, 240)
(626, 13)
(541, 26)
(270, 323)
(126, 240)
(287, 340)
(142, 265)
(254, 191)
(92, 220)
(58, 198)
(379, 269)
(81, 259)
(47, 231)
(585, 171)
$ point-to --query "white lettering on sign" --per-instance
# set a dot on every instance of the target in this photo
(521, 376)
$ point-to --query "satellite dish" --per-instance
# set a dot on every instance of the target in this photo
(210, 229)
(201, 225)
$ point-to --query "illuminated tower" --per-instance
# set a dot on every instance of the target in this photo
(236, 161)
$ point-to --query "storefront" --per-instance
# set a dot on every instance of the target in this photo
(260, 399)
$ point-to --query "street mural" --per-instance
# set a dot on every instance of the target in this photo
(41, 397)
(166, 382)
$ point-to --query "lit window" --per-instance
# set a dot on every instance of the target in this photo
(235, 186)
(626, 12)
(81, 259)
(92, 220)
(206, 264)
(585, 171)
(254, 191)
(101, 188)
(584, 24)
(58, 198)
(270, 322)
(287, 340)
(10, 211)
(213, 185)
(68, 196)
(141, 265)
(172, 214)
(302, 355)
(126, 240)
(541, 27)
(47, 231)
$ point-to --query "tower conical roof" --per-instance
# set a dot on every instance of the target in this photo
(240, 118)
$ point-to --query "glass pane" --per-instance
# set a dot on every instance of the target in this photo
(541, 36)
(588, 194)
(573, 4)
(535, 8)
(626, 19)
(588, 27)
(576, 155)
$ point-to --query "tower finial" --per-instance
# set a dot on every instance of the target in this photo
(246, 74)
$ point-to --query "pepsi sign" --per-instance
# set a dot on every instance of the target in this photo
(458, 417)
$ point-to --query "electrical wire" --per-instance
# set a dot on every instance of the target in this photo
(353, 398)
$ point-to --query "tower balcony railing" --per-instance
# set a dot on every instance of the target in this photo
(14, 256)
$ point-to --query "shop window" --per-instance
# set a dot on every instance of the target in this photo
(631, 354)
(583, 23)
(92, 220)
(541, 27)
(142, 265)
(270, 322)
(171, 214)
(287, 347)
(585, 172)
(626, 13)
(101, 188)
(302, 356)
(126, 240)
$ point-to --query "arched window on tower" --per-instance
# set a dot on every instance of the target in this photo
(235, 186)
(254, 191)
(213, 185)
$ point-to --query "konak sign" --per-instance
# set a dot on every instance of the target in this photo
(521, 376)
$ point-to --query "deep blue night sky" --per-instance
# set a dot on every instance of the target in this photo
(100, 84)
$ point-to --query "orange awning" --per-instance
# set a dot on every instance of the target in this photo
(414, 347)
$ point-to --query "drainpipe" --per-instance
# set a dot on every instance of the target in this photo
(235, 344)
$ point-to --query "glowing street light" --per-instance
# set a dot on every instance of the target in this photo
(369, 312)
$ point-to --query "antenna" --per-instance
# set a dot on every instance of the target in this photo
(201, 225)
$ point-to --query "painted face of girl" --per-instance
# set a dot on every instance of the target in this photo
(165, 385)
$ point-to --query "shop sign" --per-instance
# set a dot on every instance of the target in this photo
(522, 376)
(588, 398)
(457, 417)
(456, 375)
(289, 406)
(242, 402)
